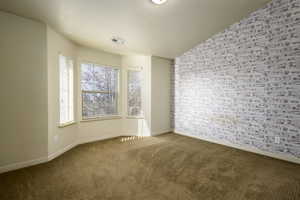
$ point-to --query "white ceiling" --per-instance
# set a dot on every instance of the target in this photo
(167, 30)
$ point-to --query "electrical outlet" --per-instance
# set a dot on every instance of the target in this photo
(277, 140)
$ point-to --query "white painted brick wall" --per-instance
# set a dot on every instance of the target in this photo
(242, 86)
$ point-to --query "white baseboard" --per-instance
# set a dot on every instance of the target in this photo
(82, 141)
(24, 164)
(95, 139)
(54, 155)
(154, 133)
(129, 134)
(20, 165)
(157, 133)
(61, 151)
(249, 149)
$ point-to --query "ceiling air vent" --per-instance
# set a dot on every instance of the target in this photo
(118, 40)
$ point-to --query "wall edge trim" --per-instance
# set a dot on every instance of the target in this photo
(50, 157)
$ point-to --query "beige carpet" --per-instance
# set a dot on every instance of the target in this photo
(168, 167)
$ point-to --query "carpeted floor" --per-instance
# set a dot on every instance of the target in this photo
(168, 167)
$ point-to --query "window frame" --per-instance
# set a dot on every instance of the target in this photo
(71, 121)
(137, 69)
(104, 117)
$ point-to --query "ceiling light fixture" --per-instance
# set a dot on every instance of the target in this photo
(159, 2)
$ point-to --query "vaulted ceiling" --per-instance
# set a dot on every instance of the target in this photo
(166, 30)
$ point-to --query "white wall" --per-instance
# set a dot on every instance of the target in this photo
(160, 95)
(29, 76)
(58, 138)
(23, 86)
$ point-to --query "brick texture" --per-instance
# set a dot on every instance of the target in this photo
(242, 86)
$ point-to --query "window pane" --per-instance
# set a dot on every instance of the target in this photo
(63, 89)
(97, 78)
(66, 90)
(134, 93)
(99, 86)
(71, 91)
(99, 104)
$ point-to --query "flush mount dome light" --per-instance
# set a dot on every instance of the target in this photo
(159, 1)
(118, 40)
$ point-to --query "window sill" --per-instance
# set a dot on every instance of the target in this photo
(101, 118)
(135, 117)
(66, 124)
